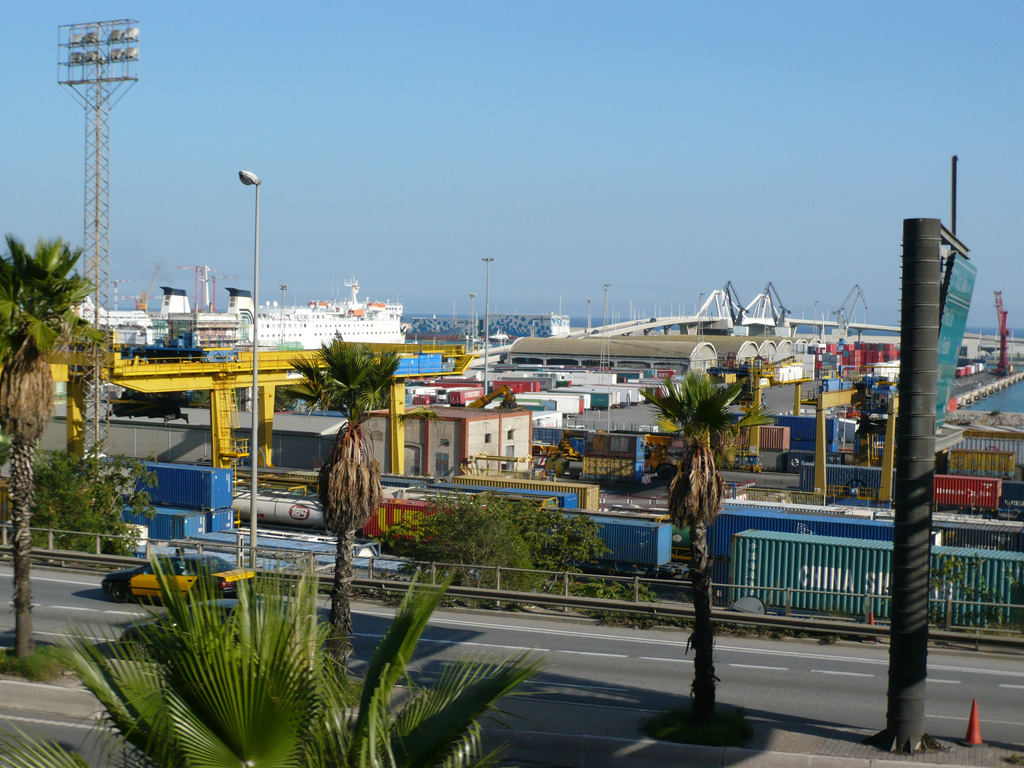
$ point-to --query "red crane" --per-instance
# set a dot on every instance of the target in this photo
(1004, 365)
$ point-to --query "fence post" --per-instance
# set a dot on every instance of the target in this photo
(239, 547)
(636, 589)
(149, 548)
(433, 574)
(949, 611)
(867, 609)
(49, 539)
(98, 550)
(565, 578)
(370, 568)
(789, 601)
(497, 577)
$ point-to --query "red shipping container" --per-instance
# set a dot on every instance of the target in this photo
(773, 438)
(464, 396)
(395, 511)
(966, 491)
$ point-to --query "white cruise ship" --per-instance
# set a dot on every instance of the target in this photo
(289, 328)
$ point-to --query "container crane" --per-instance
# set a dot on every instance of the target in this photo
(842, 316)
(1003, 367)
(116, 283)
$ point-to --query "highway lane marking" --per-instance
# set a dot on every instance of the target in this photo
(39, 721)
(936, 680)
(74, 608)
(537, 683)
(961, 719)
(760, 666)
(56, 581)
(674, 661)
(594, 653)
(1007, 685)
(836, 672)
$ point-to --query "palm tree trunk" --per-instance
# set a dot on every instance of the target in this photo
(703, 638)
(22, 495)
(339, 640)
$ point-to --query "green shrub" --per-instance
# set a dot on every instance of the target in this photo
(47, 663)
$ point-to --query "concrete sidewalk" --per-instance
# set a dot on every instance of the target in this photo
(776, 744)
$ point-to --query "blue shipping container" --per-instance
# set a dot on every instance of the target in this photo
(1013, 495)
(635, 542)
(169, 522)
(189, 486)
(733, 520)
(220, 520)
(801, 428)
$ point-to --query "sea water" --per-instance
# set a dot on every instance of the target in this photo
(1009, 400)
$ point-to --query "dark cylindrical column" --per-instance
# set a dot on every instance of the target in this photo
(915, 476)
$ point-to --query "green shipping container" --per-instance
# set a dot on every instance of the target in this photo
(832, 575)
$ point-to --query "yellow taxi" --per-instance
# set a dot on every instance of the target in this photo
(216, 576)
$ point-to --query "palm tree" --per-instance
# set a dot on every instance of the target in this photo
(700, 410)
(254, 687)
(352, 379)
(38, 294)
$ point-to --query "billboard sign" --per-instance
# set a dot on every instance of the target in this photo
(955, 306)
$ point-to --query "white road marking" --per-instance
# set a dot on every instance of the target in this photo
(594, 653)
(1007, 685)
(39, 721)
(759, 666)
(545, 684)
(836, 672)
(962, 719)
(936, 680)
(675, 661)
(75, 608)
(56, 581)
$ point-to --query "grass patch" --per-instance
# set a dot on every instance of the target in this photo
(728, 729)
(46, 663)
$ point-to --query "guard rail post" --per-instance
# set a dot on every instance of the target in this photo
(789, 601)
(497, 577)
(49, 538)
(98, 547)
(239, 548)
(636, 589)
(565, 578)
(867, 609)
(149, 548)
(949, 612)
(433, 574)
(369, 567)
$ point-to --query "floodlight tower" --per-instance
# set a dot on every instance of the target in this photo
(95, 61)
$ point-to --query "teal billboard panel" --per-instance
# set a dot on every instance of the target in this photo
(960, 288)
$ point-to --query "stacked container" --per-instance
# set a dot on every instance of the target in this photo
(612, 457)
(983, 463)
(395, 511)
(188, 489)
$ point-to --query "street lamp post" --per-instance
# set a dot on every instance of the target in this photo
(588, 317)
(487, 322)
(252, 180)
(604, 319)
(284, 287)
(472, 319)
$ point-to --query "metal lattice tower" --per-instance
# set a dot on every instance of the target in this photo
(97, 62)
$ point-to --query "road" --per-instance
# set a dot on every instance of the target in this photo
(606, 680)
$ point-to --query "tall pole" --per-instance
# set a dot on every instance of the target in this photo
(472, 317)
(588, 316)
(952, 221)
(284, 287)
(487, 324)
(604, 319)
(913, 490)
(251, 179)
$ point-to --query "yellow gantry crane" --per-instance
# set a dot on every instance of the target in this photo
(222, 377)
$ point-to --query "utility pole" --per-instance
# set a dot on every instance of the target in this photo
(604, 319)
(487, 323)
(472, 317)
(588, 316)
(284, 287)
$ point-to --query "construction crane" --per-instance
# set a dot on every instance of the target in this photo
(1003, 367)
(202, 296)
(843, 316)
(117, 282)
(213, 299)
(142, 302)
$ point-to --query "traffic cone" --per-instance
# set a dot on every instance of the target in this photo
(871, 622)
(973, 737)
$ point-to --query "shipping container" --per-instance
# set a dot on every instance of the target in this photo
(976, 440)
(563, 498)
(982, 463)
(588, 495)
(220, 520)
(640, 543)
(773, 438)
(843, 479)
(613, 469)
(464, 396)
(772, 461)
(833, 575)
(736, 519)
(395, 511)
(1013, 495)
(189, 486)
(984, 534)
(169, 523)
(631, 446)
(968, 492)
(802, 428)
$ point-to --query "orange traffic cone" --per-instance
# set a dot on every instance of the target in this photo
(973, 737)
(871, 622)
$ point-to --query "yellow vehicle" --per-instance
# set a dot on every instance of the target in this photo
(216, 576)
(508, 398)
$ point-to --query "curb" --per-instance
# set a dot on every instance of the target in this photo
(49, 698)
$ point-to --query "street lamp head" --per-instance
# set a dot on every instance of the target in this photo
(249, 178)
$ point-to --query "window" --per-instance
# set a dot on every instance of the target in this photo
(445, 442)
(487, 437)
(441, 464)
(511, 434)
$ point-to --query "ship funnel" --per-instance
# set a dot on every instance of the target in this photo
(175, 301)
(240, 302)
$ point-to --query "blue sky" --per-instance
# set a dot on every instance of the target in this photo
(662, 147)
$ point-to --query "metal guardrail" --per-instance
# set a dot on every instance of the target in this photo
(810, 625)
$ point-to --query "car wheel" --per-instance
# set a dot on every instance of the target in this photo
(119, 592)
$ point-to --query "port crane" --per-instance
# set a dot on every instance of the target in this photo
(1003, 367)
(842, 316)
(142, 302)
(116, 283)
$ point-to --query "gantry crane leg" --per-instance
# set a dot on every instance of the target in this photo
(397, 422)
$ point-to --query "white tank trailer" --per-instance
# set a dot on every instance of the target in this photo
(281, 509)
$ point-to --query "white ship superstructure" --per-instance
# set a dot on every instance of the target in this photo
(304, 327)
